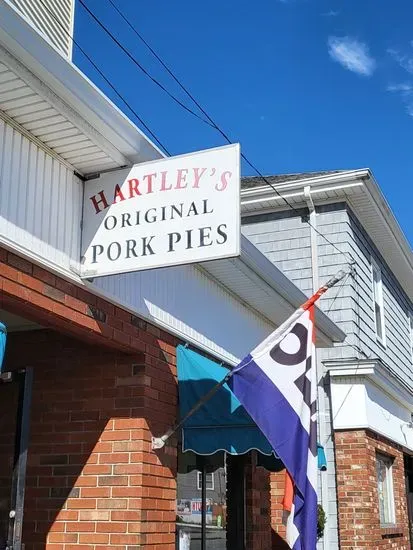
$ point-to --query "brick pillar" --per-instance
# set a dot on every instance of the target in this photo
(358, 505)
(277, 482)
(258, 507)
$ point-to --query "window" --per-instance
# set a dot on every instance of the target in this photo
(209, 481)
(378, 302)
(385, 489)
(216, 519)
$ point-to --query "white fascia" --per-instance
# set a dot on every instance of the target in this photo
(375, 371)
(295, 189)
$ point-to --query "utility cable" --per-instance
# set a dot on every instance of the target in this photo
(128, 105)
(140, 66)
(211, 122)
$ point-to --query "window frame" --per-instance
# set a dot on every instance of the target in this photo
(379, 300)
(199, 480)
(390, 505)
(410, 322)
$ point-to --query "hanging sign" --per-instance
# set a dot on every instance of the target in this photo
(173, 211)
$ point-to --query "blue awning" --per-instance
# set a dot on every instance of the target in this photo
(221, 424)
(3, 336)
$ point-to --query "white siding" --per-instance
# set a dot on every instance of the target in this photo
(53, 18)
(40, 201)
(197, 308)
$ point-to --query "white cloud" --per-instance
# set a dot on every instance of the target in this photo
(400, 87)
(331, 13)
(405, 91)
(351, 54)
(405, 61)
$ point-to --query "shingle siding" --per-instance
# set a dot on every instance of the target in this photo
(396, 353)
(285, 240)
(284, 237)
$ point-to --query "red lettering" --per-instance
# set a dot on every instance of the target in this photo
(133, 187)
(163, 182)
(182, 172)
(118, 195)
(198, 173)
(102, 200)
(224, 181)
(149, 178)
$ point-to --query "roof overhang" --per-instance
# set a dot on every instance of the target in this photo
(46, 94)
(263, 287)
(360, 191)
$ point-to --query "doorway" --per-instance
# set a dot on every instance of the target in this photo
(15, 400)
(210, 502)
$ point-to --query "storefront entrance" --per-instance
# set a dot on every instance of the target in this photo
(211, 502)
(15, 397)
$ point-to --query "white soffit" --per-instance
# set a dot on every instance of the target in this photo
(49, 97)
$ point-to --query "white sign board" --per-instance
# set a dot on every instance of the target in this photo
(172, 211)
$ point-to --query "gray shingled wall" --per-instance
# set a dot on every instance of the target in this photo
(284, 238)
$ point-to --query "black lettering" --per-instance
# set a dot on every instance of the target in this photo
(146, 245)
(137, 217)
(206, 211)
(188, 238)
(152, 218)
(113, 223)
(204, 234)
(126, 219)
(97, 250)
(192, 210)
(222, 233)
(175, 209)
(130, 248)
(173, 239)
(118, 249)
(163, 210)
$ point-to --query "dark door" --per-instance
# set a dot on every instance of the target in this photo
(15, 397)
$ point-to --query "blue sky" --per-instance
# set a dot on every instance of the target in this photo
(303, 85)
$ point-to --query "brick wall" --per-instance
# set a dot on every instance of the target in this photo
(92, 479)
(277, 481)
(38, 295)
(258, 507)
(358, 505)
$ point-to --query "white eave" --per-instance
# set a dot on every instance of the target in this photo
(43, 93)
(359, 189)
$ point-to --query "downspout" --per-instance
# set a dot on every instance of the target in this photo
(320, 374)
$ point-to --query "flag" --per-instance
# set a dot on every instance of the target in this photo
(277, 385)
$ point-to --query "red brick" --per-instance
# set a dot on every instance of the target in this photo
(357, 490)
(111, 527)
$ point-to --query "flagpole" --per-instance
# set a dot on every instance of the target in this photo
(159, 442)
